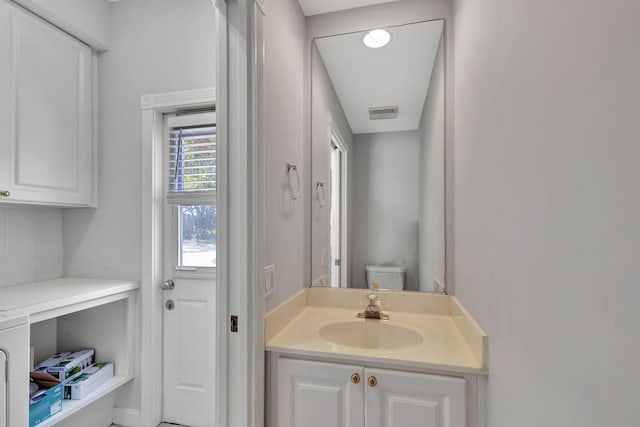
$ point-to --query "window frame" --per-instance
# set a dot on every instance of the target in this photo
(174, 200)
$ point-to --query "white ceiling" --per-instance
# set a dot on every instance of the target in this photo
(396, 74)
(315, 7)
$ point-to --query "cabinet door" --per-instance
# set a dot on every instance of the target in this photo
(4, 385)
(15, 345)
(315, 394)
(46, 113)
(403, 399)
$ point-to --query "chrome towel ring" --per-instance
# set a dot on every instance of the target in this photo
(293, 169)
(320, 191)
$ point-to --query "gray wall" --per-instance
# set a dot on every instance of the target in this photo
(30, 244)
(431, 244)
(152, 43)
(547, 205)
(386, 174)
(287, 244)
(157, 46)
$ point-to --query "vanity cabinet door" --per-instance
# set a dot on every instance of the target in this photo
(317, 394)
(402, 399)
(46, 151)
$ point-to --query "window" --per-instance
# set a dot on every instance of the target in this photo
(191, 188)
(192, 158)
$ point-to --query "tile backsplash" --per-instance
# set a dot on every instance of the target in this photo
(30, 244)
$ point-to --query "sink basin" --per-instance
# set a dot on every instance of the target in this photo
(369, 333)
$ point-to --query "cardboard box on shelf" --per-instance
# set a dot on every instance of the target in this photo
(53, 360)
(86, 381)
(72, 364)
(45, 403)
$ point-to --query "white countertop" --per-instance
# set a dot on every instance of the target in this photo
(39, 297)
(452, 341)
(12, 322)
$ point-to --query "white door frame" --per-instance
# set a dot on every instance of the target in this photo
(240, 258)
(153, 167)
(239, 74)
(344, 207)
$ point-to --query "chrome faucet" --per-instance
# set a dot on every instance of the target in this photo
(372, 310)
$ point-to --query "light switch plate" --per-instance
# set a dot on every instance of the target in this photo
(269, 280)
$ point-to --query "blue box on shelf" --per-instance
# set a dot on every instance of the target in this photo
(45, 403)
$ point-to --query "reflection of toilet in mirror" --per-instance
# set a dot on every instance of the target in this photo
(386, 277)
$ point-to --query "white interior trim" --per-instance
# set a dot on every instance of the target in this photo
(222, 274)
(153, 107)
(240, 264)
(36, 8)
(169, 102)
(259, 217)
(344, 214)
(245, 395)
(126, 417)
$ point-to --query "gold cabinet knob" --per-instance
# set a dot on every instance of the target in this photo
(373, 381)
(355, 378)
(5, 193)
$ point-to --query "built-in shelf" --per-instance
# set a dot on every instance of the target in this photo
(53, 298)
(70, 407)
(87, 310)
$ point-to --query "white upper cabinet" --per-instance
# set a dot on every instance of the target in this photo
(46, 81)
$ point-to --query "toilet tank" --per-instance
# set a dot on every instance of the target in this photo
(387, 276)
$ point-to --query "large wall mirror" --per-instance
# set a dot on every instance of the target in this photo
(378, 158)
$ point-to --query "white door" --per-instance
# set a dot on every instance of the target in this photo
(402, 399)
(189, 330)
(316, 394)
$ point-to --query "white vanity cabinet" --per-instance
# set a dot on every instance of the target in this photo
(316, 394)
(398, 399)
(46, 113)
(319, 394)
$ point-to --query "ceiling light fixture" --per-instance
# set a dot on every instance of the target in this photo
(376, 38)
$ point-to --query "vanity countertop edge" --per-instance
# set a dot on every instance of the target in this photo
(459, 344)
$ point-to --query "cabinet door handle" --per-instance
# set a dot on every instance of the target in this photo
(355, 378)
(5, 193)
(373, 381)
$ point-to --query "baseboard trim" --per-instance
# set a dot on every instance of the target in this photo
(127, 417)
